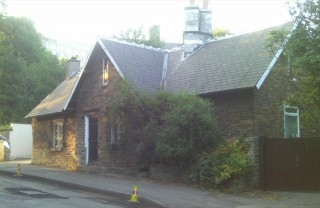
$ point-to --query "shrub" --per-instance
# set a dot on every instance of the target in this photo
(170, 128)
(230, 159)
(186, 128)
(5, 128)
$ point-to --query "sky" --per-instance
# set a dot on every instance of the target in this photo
(85, 21)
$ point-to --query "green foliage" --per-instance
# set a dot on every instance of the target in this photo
(186, 128)
(5, 128)
(229, 160)
(28, 73)
(304, 50)
(169, 128)
(137, 36)
(219, 33)
(275, 40)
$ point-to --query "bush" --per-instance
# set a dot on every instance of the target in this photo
(186, 128)
(168, 128)
(5, 128)
(229, 160)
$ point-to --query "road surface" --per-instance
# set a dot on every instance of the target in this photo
(19, 192)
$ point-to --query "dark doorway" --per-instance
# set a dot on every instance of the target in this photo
(93, 139)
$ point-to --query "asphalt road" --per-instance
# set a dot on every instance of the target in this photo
(18, 192)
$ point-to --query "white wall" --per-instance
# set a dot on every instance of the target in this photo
(21, 141)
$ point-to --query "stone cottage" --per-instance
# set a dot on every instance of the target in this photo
(71, 128)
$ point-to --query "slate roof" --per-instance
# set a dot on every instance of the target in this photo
(57, 101)
(228, 64)
(139, 64)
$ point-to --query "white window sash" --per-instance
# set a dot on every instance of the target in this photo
(297, 115)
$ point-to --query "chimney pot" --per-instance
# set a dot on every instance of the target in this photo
(205, 4)
(192, 2)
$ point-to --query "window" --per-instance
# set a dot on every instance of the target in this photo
(105, 67)
(57, 135)
(291, 122)
(117, 129)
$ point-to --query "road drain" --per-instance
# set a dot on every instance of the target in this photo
(33, 193)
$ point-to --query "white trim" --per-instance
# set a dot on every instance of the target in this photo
(74, 88)
(297, 115)
(86, 138)
(276, 56)
(80, 75)
(111, 58)
(164, 70)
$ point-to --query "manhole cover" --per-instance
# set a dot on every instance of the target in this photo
(33, 193)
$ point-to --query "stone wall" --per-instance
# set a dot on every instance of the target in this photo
(234, 113)
(43, 154)
(269, 102)
(92, 102)
(4, 152)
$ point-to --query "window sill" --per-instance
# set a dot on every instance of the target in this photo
(56, 150)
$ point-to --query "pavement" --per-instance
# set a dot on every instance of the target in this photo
(161, 194)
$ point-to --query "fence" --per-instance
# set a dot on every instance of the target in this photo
(290, 164)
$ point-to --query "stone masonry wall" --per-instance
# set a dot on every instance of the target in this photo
(269, 103)
(4, 151)
(234, 113)
(43, 154)
(92, 102)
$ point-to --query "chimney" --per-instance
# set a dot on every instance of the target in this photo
(192, 2)
(205, 4)
(198, 27)
(73, 68)
(154, 33)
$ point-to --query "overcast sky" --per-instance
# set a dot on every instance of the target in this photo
(85, 21)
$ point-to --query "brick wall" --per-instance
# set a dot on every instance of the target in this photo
(42, 152)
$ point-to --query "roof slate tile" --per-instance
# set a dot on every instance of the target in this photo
(57, 100)
(226, 64)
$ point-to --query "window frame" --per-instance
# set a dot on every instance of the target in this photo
(117, 129)
(57, 144)
(291, 114)
(105, 71)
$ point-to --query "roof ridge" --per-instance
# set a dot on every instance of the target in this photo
(252, 33)
(133, 44)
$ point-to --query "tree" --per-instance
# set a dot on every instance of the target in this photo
(2, 7)
(28, 72)
(219, 33)
(304, 50)
(137, 36)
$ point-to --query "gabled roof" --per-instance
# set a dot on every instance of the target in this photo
(228, 64)
(234, 63)
(139, 64)
(57, 101)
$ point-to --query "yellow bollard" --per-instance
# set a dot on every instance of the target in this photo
(134, 196)
(18, 173)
